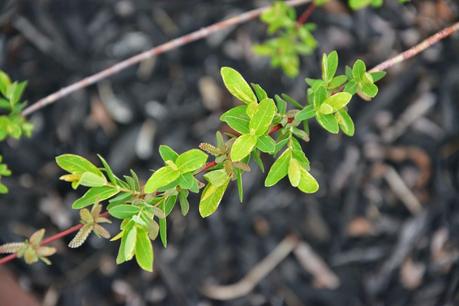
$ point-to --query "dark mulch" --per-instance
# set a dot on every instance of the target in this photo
(383, 252)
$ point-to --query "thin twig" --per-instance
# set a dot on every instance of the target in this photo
(413, 51)
(306, 14)
(170, 45)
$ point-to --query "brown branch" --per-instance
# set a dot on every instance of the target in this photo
(306, 14)
(170, 45)
(413, 51)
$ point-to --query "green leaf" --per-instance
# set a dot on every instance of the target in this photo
(144, 251)
(211, 198)
(242, 147)
(76, 164)
(240, 186)
(345, 122)
(237, 86)
(337, 81)
(258, 161)
(167, 153)
(306, 113)
(358, 70)
(266, 144)
(90, 179)
(328, 122)
(160, 178)
(370, 90)
(237, 119)
(308, 183)
(279, 169)
(338, 100)
(261, 120)
(294, 172)
(217, 177)
(281, 104)
(377, 75)
(292, 101)
(329, 66)
(186, 181)
(169, 203)
(259, 92)
(326, 108)
(131, 238)
(94, 195)
(111, 176)
(120, 258)
(183, 200)
(123, 211)
(163, 231)
(191, 160)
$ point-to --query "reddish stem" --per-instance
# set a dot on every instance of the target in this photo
(306, 14)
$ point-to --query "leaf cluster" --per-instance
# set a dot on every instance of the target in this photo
(261, 124)
(290, 39)
(12, 123)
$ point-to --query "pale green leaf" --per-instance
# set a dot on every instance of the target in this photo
(263, 117)
(211, 198)
(237, 85)
(242, 147)
(162, 177)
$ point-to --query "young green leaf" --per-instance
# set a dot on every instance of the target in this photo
(294, 172)
(76, 164)
(338, 100)
(237, 119)
(328, 122)
(345, 122)
(358, 70)
(160, 178)
(144, 251)
(90, 179)
(131, 238)
(94, 195)
(306, 113)
(167, 153)
(308, 183)
(163, 231)
(326, 108)
(266, 144)
(191, 160)
(183, 200)
(261, 120)
(211, 198)
(242, 147)
(279, 169)
(329, 66)
(259, 92)
(237, 85)
(123, 211)
(240, 186)
(217, 177)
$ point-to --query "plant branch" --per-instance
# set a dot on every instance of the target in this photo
(192, 37)
(170, 45)
(413, 51)
(306, 14)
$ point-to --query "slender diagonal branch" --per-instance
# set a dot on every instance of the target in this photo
(306, 14)
(170, 45)
(413, 51)
(383, 66)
